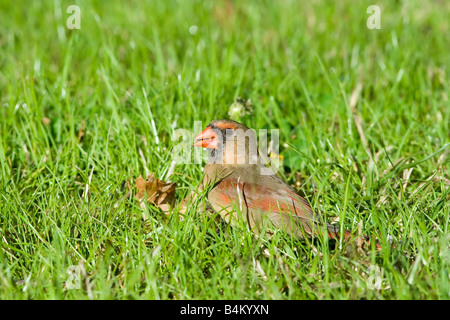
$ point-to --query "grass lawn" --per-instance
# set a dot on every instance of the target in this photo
(364, 122)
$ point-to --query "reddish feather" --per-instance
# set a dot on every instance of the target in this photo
(264, 198)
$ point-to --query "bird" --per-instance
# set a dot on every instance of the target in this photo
(242, 188)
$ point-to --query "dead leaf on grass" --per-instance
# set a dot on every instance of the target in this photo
(156, 192)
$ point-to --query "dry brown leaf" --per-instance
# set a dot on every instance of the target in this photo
(156, 192)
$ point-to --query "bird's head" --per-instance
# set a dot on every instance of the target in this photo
(230, 142)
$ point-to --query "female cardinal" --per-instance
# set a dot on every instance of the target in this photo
(242, 186)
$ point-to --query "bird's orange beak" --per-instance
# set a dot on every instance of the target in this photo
(207, 139)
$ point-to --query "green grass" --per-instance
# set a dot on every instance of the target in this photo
(381, 159)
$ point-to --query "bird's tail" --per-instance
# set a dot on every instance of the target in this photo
(334, 233)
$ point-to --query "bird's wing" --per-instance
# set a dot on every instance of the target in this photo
(263, 197)
(285, 208)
